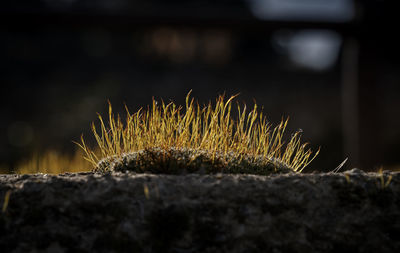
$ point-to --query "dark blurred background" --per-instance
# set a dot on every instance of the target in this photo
(331, 65)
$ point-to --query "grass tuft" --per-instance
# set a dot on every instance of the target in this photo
(167, 138)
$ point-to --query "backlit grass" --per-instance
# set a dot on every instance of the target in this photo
(166, 137)
(53, 162)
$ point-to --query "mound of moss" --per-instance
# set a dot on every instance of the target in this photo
(196, 138)
(186, 160)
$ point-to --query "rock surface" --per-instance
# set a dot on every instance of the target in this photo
(128, 212)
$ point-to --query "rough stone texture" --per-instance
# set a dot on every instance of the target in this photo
(128, 212)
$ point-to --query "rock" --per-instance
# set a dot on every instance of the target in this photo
(129, 212)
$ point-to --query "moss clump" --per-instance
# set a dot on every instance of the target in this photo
(185, 160)
(167, 139)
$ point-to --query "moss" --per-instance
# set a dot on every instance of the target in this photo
(185, 160)
(167, 139)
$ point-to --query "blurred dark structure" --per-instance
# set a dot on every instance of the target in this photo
(332, 66)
